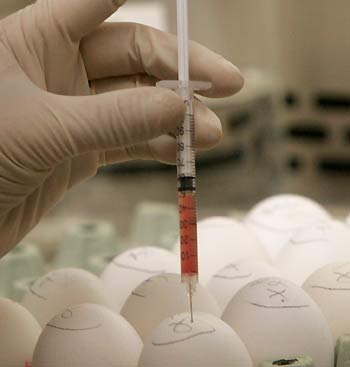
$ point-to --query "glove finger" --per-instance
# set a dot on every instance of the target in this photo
(208, 134)
(163, 148)
(129, 49)
(79, 17)
(208, 125)
(110, 120)
(138, 151)
(123, 82)
(208, 129)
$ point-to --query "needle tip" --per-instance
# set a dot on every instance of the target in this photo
(191, 304)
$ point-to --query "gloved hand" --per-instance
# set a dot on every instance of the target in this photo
(54, 134)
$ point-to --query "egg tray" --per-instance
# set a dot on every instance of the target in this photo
(291, 362)
(342, 357)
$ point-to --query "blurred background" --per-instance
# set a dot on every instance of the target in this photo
(288, 130)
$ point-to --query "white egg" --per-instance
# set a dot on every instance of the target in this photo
(234, 276)
(274, 220)
(329, 287)
(222, 240)
(88, 335)
(134, 266)
(313, 247)
(19, 333)
(160, 297)
(57, 290)
(277, 319)
(207, 341)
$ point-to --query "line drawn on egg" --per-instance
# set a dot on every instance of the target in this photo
(36, 294)
(301, 242)
(232, 266)
(141, 290)
(136, 254)
(67, 315)
(136, 294)
(277, 307)
(341, 277)
(162, 276)
(280, 292)
(329, 288)
(39, 284)
(233, 277)
(272, 228)
(269, 227)
(317, 234)
(181, 328)
(138, 269)
(223, 274)
(268, 283)
(71, 329)
(36, 288)
(45, 280)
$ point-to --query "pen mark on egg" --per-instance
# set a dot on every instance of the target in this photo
(268, 282)
(181, 327)
(36, 294)
(138, 295)
(233, 277)
(70, 329)
(67, 314)
(272, 228)
(134, 268)
(184, 327)
(232, 266)
(277, 307)
(162, 276)
(329, 288)
(185, 339)
(342, 277)
(297, 242)
(135, 255)
(278, 293)
(44, 281)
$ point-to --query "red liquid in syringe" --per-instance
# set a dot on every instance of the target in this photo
(188, 234)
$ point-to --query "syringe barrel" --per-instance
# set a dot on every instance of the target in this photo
(188, 233)
(185, 145)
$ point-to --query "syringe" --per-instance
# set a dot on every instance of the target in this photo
(186, 156)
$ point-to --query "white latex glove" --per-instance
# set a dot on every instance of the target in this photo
(54, 134)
